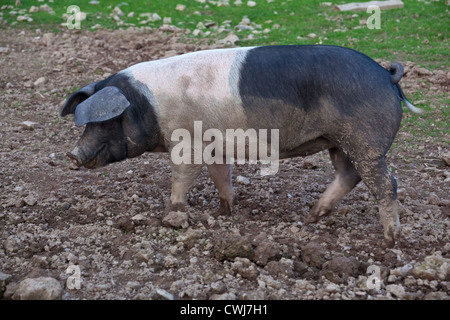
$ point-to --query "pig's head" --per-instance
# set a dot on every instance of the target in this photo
(119, 122)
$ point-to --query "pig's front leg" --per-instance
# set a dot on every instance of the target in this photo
(183, 176)
(221, 176)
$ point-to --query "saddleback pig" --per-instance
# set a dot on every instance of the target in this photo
(318, 97)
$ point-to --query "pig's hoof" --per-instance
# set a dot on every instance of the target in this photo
(317, 213)
(391, 237)
(178, 206)
(225, 207)
(311, 218)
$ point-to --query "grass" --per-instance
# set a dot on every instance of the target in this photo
(418, 32)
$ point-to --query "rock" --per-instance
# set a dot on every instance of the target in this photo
(251, 3)
(340, 268)
(46, 8)
(245, 268)
(243, 180)
(436, 296)
(313, 254)
(4, 50)
(164, 294)
(223, 296)
(331, 288)
(396, 290)
(180, 7)
(47, 40)
(231, 39)
(446, 158)
(40, 81)
(44, 288)
(229, 247)
(421, 71)
(433, 199)
(176, 219)
(310, 163)
(117, 11)
(11, 244)
(30, 200)
(156, 17)
(125, 224)
(4, 280)
(265, 250)
(401, 271)
(434, 267)
(28, 125)
(189, 238)
(33, 9)
(282, 267)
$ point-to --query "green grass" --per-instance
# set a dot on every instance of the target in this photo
(418, 32)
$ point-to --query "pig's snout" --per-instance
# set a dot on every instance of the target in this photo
(79, 158)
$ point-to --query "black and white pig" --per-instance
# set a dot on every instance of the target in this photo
(318, 97)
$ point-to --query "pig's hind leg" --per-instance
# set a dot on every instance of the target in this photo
(345, 180)
(221, 176)
(383, 185)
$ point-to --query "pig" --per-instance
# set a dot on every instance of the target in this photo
(318, 97)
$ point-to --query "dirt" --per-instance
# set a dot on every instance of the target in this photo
(108, 222)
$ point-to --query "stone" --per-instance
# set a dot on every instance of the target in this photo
(265, 251)
(40, 81)
(396, 290)
(313, 254)
(434, 267)
(437, 296)
(340, 268)
(282, 267)
(243, 180)
(180, 7)
(33, 9)
(30, 200)
(117, 11)
(251, 3)
(28, 125)
(176, 219)
(4, 280)
(46, 8)
(11, 244)
(164, 295)
(43, 288)
(156, 17)
(229, 247)
(421, 71)
(47, 40)
(362, 6)
(245, 268)
(231, 39)
(125, 224)
(433, 199)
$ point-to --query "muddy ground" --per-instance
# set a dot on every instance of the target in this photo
(107, 222)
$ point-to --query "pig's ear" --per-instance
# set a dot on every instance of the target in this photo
(104, 105)
(76, 98)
